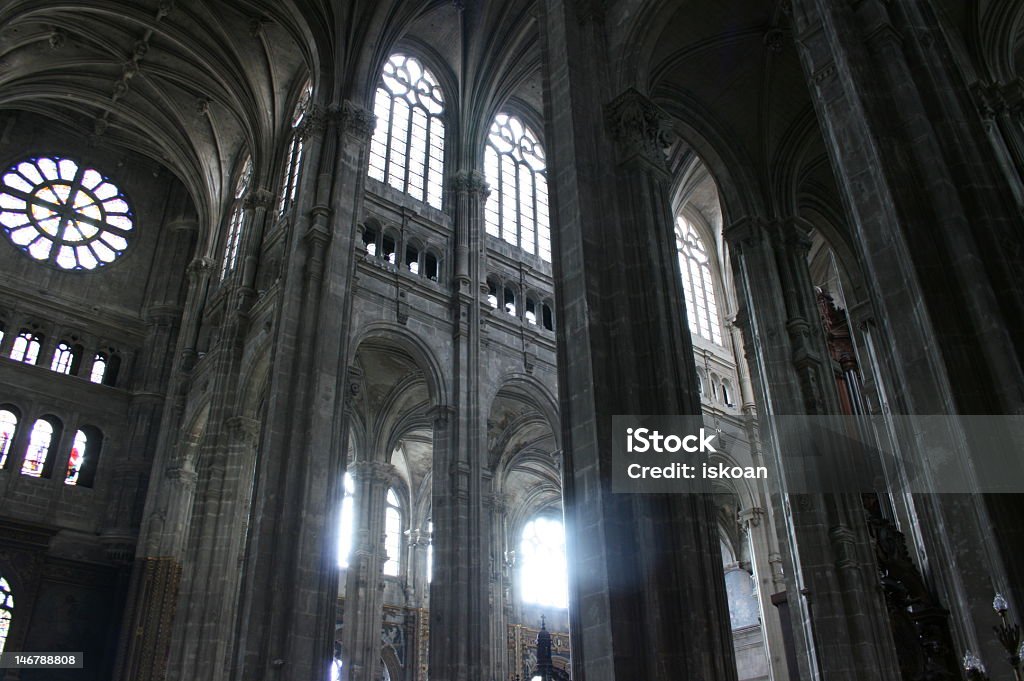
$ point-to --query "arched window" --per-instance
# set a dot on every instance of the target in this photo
(59, 212)
(8, 426)
(85, 453)
(99, 368)
(38, 453)
(392, 535)
(26, 347)
(695, 267)
(66, 358)
(517, 207)
(234, 240)
(345, 533)
(407, 149)
(293, 162)
(6, 612)
(543, 572)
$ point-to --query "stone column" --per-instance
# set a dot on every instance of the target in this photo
(364, 588)
(647, 596)
(939, 238)
(838, 620)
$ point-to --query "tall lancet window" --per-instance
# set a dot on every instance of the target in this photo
(517, 207)
(695, 267)
(407, 149)
(293, 161)
(234, 239)
(393, 535)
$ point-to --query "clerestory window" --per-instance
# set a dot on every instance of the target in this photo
(517, 206)
(407, 149)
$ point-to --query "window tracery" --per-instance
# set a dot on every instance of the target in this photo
(65, 214)
(234, 239)
(38, 452)
(698, 286)
(407, 148)
(517, 206)
(293, 162)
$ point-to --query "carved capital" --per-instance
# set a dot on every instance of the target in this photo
(641, 130)
(314, 122)
(356, 121)
(470, 182)
(259, 198)
(200, 267)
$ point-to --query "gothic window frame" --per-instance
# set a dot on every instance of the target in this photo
(289, 185)
(67, 358)
(512, 145)
(393, 536)
(32, 464)
(28, 338)
(702, 299)
(64, 213)
(392, 143)
(236, 219)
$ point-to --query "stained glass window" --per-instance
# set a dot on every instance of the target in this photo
(65, 214)
(347, 522)
(695, 267)
(8, 426)
(293, 163)
(543, 571)
(392, 535)
(234, 239)
(517, 207)
(38, 449)
(26, 347)
(407, 149)
(6, 612)
(79, 448)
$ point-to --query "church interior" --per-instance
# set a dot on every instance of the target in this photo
(315, 316)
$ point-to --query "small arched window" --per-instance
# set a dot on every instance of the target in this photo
(293, 161)
(430, 551)
(66, 358)
(8, 427)
(236, 222)
(6, 611)
(85, 453)
(26, 347)
(698, 288)
(407, 149)
(543, 571)
(347, 529)
(517, 207)
(392, 535)
(40, 444)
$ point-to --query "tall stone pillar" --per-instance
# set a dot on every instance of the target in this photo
(836, 613)
(938, 236)
(289, 597)
(647, 596)
(364, 589)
